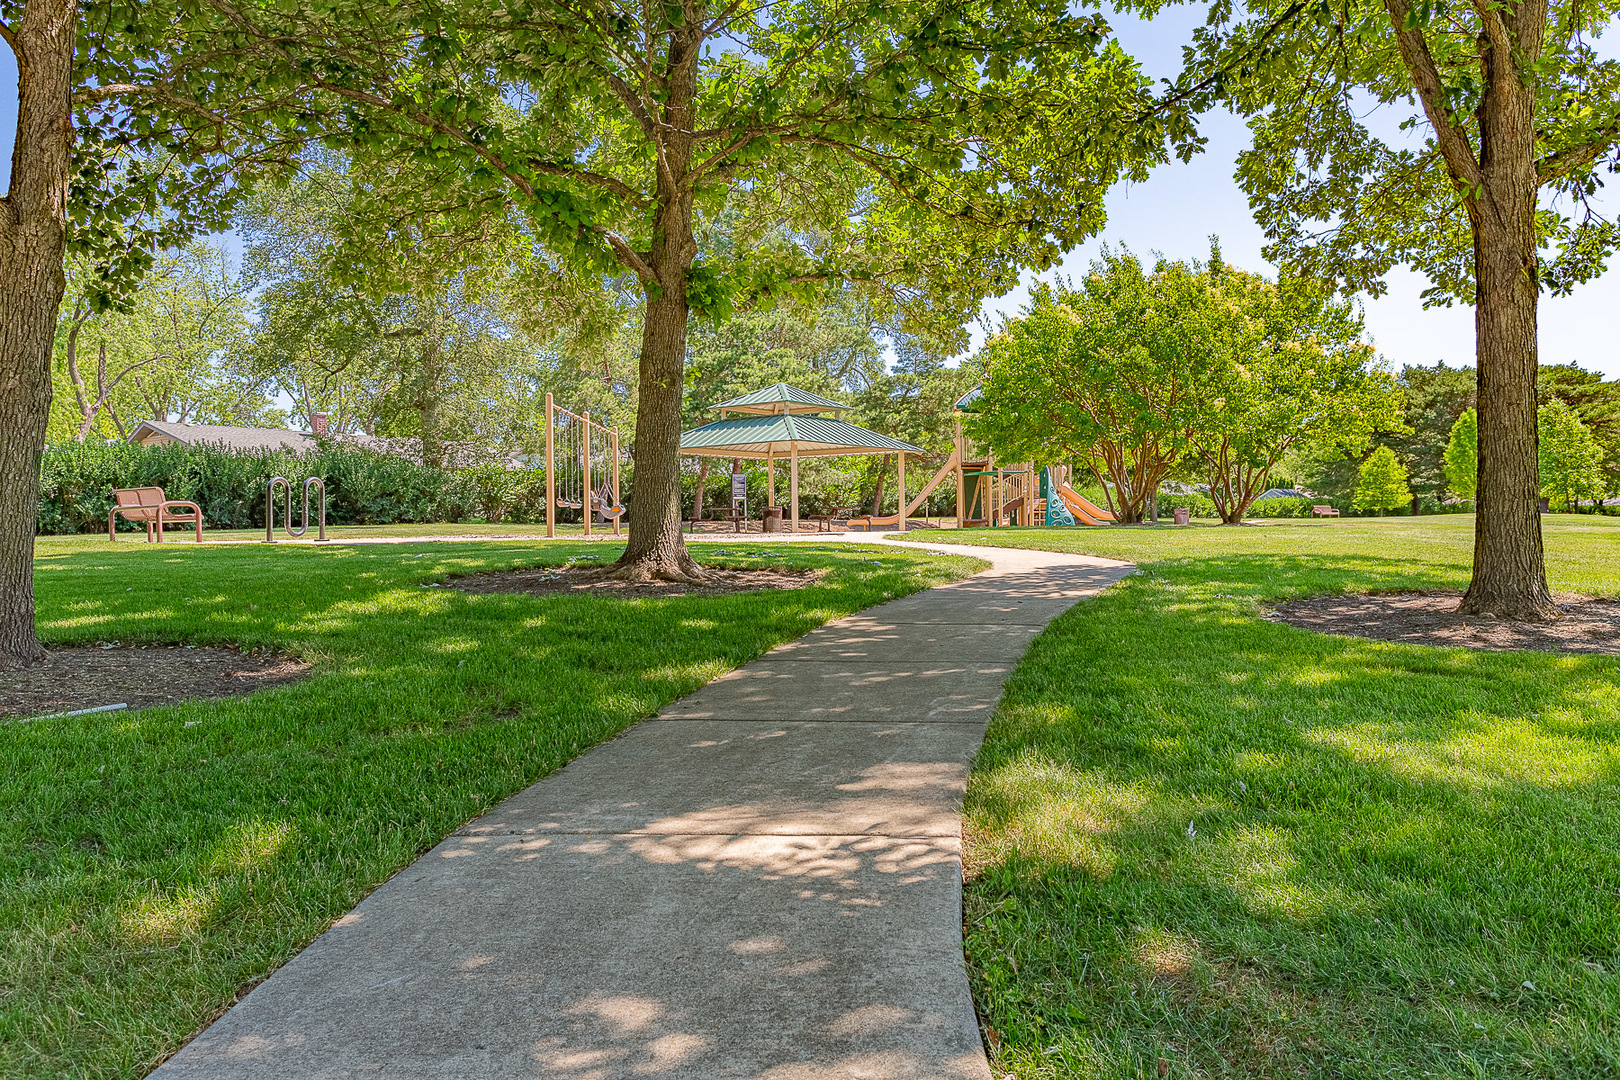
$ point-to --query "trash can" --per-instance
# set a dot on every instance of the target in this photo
(773, 519)
(1183, 516)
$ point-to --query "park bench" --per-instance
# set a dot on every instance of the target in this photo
(1324, 511)
(148, 506)
(840, 515)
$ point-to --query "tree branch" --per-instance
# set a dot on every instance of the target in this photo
(629, 257)
(1558, 165)
(9, 36)
(1450, 136)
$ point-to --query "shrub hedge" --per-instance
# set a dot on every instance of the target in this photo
(362, 487)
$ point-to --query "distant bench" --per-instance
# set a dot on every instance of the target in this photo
(1324, 511)
(148, 506)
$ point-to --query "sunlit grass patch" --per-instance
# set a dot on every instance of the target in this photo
(154, 864)
(1201, 838)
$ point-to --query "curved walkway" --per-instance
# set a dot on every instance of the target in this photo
(763, 881)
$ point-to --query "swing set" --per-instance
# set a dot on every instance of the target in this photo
(578, 449)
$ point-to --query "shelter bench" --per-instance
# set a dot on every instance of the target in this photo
(148, 506)
(717, 513)
(1324, 511)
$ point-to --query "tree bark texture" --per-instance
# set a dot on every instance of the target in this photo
(656, 548)
(33, 235)
(1510, 576)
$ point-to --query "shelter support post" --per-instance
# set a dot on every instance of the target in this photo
(793, 485)
(770, 478)
(551, 476)
(900, 483)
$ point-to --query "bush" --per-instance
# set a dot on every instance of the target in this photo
(362, 487)
(1283, 508)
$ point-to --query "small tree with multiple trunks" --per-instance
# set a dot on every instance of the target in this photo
(1204, 365)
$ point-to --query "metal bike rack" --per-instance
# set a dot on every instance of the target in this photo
(287, 518)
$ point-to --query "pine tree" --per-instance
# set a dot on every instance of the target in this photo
(1382, 484)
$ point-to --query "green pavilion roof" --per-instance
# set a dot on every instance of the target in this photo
(780, 398)
(816, 436)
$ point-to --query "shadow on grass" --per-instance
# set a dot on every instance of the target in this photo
(153, 864)
(1249, 849)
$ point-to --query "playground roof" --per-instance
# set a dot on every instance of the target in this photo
(779, 398)
(969, 402)
(759, 436)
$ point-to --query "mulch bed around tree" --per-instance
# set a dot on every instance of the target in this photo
(89, 676)
(1587, 625)
(551, 581)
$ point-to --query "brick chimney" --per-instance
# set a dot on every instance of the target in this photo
(317, 423)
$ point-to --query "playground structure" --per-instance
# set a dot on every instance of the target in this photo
(582, 468)
(287, 517)
(992, 494)
(782, 421)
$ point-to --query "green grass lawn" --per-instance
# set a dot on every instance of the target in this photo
(155, 864)
(1200, 838)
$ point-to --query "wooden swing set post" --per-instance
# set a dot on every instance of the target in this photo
(900, 483)
(585, 471)
(617, 499)
(551, 477)
(961, 475)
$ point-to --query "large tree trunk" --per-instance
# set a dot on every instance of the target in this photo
(656, 548)
(1510, 576)
(33, 234)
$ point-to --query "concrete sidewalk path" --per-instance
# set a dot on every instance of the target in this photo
(764, 881)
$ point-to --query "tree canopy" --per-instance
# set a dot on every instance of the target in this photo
(1199, 365)
(1464, 140)
(926, 151)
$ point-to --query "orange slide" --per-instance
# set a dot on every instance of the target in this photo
(1084, 510)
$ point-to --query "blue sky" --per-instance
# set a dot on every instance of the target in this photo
(1181, 205)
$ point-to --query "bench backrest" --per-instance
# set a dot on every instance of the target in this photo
(131, 498)
(1321, 509)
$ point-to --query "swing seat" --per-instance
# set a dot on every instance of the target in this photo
(567, 504)
(612, 511)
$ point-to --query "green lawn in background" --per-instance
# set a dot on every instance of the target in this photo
(154, 864)
(1199, 837)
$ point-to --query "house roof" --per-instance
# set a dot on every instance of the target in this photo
(816, 436)
(780, 398)
(232, 438)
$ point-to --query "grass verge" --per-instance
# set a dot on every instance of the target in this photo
(154, 865)
(1204, 844)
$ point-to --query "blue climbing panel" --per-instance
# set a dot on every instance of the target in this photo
(1057, 511)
